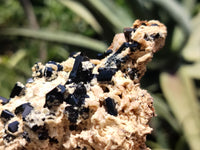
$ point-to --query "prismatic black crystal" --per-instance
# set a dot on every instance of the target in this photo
(105, 74)
(80, 73)
(109, 104)
(72, 113)
(13, 127)
(18, 90)
(24, 109)
(3, 100)
(78, 96)
(6, 114)
(56, 96)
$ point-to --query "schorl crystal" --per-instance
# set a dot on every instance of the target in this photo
(18, 90)
(76, 67)
(56, 96)
(26, 136)
(78, 73)
(127, 33)
(3, 100)
(48, 71)
(43, 135)
(78, 97)
(72, 113)
(24, 109)
(13, 127)
(109, 104)
(105, 74)
(6, 114)
(8, 138)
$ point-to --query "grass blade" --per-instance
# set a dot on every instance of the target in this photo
(177, 12)
(162, 110)
(114, 14)
(83, 12)
(182, 105)
(191, 51)
(60, 37)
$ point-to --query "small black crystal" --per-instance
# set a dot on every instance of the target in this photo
(26, 136)
(72, 113)
(53, 140)
(18, 90)
(108, 52)
(3, 100)
(127, 33)
(24, 109)
(6, 114)
(110, 106)
(60, 67)
(76, 67)
(72, 100)
(105, 74)
(154, 24)
(13, 127)
(56, 96)
(43, 135)
(8, 138)
(48, 72)
(100, 56)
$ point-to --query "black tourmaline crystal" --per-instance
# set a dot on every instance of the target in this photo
(13, 127)
(5, 114)
(18, 90)
(24, 109)
(72, 113)
(109, 104)
(78, 73)
(3, 100)
(26, 136)
(105, 74)
(56, 96)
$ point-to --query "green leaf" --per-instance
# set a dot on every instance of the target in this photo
(118, 17)
(16, 58)
(83, 12)
(184, 105)
(191, 51)
(163, 111)
(60, 37)
(177, 12)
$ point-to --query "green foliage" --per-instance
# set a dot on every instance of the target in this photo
(63, 26)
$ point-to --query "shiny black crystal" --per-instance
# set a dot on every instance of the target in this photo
(72, 113)
(100, 56)
(24, 109)
(105, 74)
(108, 52)
(109, 104)
(13, 127)
(60, 67)
(48, 72)
(6, 114)
(76, 67)
(127, 33)
(3, 100)
(18, 90)
(56, 96)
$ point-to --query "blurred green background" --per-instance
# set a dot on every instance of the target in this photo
(35, 30)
